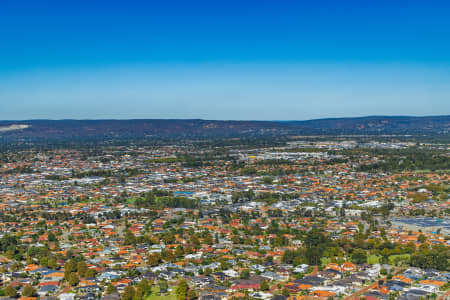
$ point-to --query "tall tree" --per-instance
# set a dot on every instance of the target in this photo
(182, 290)
(128, 293)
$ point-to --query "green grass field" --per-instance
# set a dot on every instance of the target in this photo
(325, 261)
(155, 294)
(373, 259)
(131, 200)
(396, 259)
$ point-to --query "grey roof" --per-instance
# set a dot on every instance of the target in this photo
(113, 296)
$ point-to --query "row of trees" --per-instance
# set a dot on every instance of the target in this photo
(75, 269)
(10, 291)
(142, 290)
(159, 199)
(407, 160)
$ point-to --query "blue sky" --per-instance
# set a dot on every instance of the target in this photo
(260, 60)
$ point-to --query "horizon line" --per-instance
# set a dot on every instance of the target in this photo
(225, 120)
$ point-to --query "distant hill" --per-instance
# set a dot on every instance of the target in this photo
(378, 125)
(196, 128)
(141, 128)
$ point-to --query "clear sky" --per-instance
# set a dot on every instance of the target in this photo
(259, 60)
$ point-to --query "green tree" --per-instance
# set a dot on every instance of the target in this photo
(128, 293)
(52, 263)
(316, 242)
(111, 289)
(43, 262)
(208, 271)
(10, 292)
(145, 286)
(153, 259)
(28, 291)
(82, 268)
(90, 273)
(139, 294)
(163, 285)
(313, 255)
(268, 180)
(69, 267)
(179, 251)
(51, 237)
(182, 290)
(208, 239)
(422, 238)
(245, 274)
(195, 241)
(129, 238)
(264, 285)
(359, 256)
(73, 279)
(169, 256)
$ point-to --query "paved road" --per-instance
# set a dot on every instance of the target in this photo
(315, 271)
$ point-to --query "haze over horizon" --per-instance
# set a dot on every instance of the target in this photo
(244, 120)
(258, 60)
